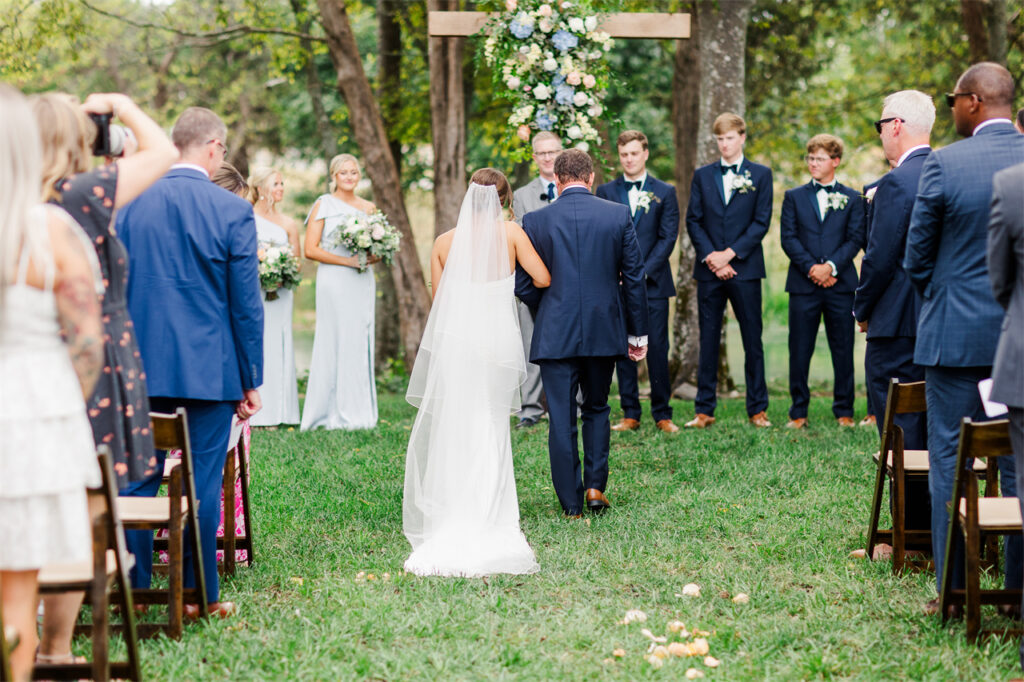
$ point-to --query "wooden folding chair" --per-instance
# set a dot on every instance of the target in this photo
(8, 643)
(176, 512)
(978, 518)
(109, 565)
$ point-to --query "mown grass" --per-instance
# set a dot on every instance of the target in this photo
(771, 513)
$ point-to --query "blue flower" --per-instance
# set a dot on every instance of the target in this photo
(559, 79)
(520, 30)
(544, 120)
(564, 94)
(564, 41)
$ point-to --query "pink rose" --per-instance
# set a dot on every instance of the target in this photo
(511, 5)
(573, 78)
(589, 81)
(544, 10)
(378, 232)
(523, 132)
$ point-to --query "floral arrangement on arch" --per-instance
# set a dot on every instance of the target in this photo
(549, 61)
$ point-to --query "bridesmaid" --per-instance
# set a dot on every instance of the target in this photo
(341, 393)
(279, 391)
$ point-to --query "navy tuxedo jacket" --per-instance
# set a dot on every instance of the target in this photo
(193, 288)
(741, 224)
(808, 240)
(885, 298)
(589, 245)
(656, 230)
(945, 257)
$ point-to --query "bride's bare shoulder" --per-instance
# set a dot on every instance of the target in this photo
(512, 228)
(444, 241)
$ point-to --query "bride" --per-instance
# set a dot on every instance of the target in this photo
(460, 510)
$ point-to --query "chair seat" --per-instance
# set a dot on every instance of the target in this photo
(916, 461)
(169, 464)
(995, 513)
(79, 572)
(146, 509)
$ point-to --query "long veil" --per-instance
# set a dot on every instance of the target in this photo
(460, 498)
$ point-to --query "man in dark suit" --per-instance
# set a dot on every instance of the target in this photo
(822, 229)
(1006, 273)
(945, 260)
(869, 194)
(886, 304)
(655, 212)
(583, 324)
(194, 295)
(727, 217)
(534, 195)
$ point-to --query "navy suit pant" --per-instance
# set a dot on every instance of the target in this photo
(745, 297)
(805, 314)
(562, 379)
(952, 394)
(209, 430)
(885, 358)
(657, 368)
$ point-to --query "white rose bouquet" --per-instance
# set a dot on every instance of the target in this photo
(279, 269)
(367, 236)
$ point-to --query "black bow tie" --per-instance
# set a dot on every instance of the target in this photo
(735, 168)
(818, 186)
(635, 183)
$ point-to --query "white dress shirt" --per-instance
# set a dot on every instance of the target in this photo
(634, 193)
(728, 177)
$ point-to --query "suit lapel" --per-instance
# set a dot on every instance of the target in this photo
(812, 198)
(716, 177)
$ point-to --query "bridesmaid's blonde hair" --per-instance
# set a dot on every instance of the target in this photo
(260, 179)
(336, 164)
(67, 134)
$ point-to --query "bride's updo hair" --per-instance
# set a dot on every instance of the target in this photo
(495, 178)
(259, 180)
(337, 162)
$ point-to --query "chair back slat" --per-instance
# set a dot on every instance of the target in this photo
(986, 439)
(906, 398)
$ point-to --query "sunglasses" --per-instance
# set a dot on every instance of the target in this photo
(951, 97)
(880, 123)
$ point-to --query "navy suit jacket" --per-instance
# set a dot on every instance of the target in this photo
(1006, 271)
(193, 288)
(589, 245)
(885, 298)
(945, 258)
(741, 224)
(808, 240)
(657, 230)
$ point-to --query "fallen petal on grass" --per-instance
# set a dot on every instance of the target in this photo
(675, 626)
(634, 616)
(693, 674)
(859, 554)
(741, 598)
(711, 661)
(661, 652)
(650, 635)
(655, 661)
(700, 647)
(619, 653)
(296, 579)
(678, 649)
(691, 590)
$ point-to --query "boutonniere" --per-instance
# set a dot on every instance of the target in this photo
(837, 201)
(643, 202)
(870, 194)
(742, 184)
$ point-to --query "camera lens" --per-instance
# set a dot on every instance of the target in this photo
(118, 137)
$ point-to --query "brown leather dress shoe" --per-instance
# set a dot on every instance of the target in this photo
(869, 420)
(667, 426)
(760, 420)
(626, 424)
(701, 421)
(846, 422)
(952, 611)
(596, 501)
(220, 609)
(798, 423)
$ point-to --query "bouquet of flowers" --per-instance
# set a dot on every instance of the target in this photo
(367, 236)
(279, 269)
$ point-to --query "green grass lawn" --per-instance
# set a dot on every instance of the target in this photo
(773, 514)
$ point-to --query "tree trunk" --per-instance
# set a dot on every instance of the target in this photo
(985, 22)
(686, 118)
(328, 140)
(368, 130)
(723, 38)
(448, 123)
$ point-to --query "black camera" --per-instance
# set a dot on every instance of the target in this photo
(110, 139)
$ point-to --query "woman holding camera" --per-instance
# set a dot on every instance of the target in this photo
(119, 407)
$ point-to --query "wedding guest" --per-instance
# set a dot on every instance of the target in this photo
(341, 393)
(869, 193)
(228, 177)
(1018, 121)
(1006, 273)
(727, 217)
(960, 319)
(534, 195)
(51, 356)
(822, 230)
(654, 210)
(886, 305)
(279, 391)
(119, 407)
(200, 329)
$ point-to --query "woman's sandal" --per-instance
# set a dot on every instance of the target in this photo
(59, 659)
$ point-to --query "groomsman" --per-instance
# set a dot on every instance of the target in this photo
(728, 215)
(532, 196)
(960, 319)
(822, 229)
(654, 209)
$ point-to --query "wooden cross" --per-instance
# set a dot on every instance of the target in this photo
(620, 25)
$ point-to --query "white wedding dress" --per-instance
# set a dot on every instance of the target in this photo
(460, 510)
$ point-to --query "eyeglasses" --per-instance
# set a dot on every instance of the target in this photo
(547, 155)
(817, 159)
(882, 122)
(951, 97)
(219, 144)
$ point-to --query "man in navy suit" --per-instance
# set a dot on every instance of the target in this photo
(886, 304)
(194, 294)
(822, 229)
(655, 212)
(960, 319)
(582, 323)
(727, 217)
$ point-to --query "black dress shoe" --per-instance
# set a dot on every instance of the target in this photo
(526, 423)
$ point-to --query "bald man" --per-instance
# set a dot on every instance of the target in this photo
(960, 320)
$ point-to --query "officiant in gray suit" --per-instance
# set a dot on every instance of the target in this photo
(536, 194)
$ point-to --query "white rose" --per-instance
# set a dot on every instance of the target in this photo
(576, 25)
(574, 132)
(579, 99)
(589, 81)
(590, 23)
(512, 83)
(583, 146)
(545, 25)
(525, 19)
(378, 232)
(523, 49)
(542, 92)
(544, 10)
(363, 241)
(595, 110)
(550, 64)
(273, 253)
